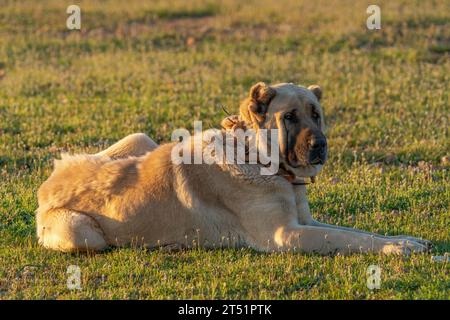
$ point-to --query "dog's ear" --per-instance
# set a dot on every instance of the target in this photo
(317, 90)
(254, 108)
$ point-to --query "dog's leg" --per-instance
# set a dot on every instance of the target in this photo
(301, 201)
(311, 239)
(305, 218)
(69, 231)
(136, 145)
(426, 243)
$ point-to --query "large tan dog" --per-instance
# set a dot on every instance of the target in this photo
(128, 195)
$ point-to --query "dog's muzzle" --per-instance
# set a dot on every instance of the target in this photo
(317, 150)
(310, 151)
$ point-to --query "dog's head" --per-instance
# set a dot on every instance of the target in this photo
(297, 114)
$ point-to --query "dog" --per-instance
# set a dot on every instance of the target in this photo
(134, 194)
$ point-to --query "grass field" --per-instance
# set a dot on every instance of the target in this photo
(155, 66)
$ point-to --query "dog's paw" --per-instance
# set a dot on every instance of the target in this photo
(428, 244)
(404, 247)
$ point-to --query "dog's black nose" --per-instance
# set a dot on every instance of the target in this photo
(317, 150)
(317, 143)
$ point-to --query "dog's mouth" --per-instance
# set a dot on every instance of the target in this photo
(317, 161)
(298, 175)
(305, 158)
(297, 167)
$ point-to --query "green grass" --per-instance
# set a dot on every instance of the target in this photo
(158, 66)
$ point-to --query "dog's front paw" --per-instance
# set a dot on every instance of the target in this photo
(404, 247)
(428, 244)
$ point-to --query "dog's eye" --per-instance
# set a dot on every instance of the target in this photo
(316, 116)
(289, 116)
